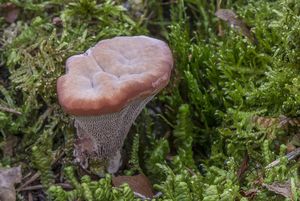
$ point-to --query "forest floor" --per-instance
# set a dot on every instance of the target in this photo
(227, 127)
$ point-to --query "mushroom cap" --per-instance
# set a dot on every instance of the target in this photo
(113, 73)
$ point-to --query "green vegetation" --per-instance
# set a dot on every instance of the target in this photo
(90, 190)
(231, 108)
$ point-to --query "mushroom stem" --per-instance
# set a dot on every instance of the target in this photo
(103, 136)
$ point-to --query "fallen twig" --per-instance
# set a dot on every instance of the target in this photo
(243, 167)
(158, 194)
(38, 187)
(58, 155)
(10, 110)
(141, 196)
(290, 156)
(29, 181)
(146, 198)
(30, 198)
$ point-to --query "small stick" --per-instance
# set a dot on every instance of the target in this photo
(58, 155)
(37, 187)
(5, 109)
(158, 194)
(290, 156)
(141, 196)
(146, 198)
(30, 198)
(29, 181)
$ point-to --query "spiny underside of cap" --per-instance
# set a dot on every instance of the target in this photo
(113, 73)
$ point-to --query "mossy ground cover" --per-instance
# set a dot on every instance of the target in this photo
(231, 108)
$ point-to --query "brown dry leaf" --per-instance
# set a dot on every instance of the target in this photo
(296, 140)
(294, 122)
(280, 122)
(250, 194)
(243, 168)
(283, 189)
(9, 144)
(10, 12)
(9, 177)
(290, 147)
(237, 23)
(259, 180)
(139, 183)
(264, 122)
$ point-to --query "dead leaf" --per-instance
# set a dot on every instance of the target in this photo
(244, 166)
(237, 23)
(251, 193)
(229, 16)
(283, 189)
(294, 122)
(264, 122)
(290, 147)
(9, 177)
(10, 12)
(296, 140)
(280, 122)
(139, 183)
(259, 180)
(9, 145)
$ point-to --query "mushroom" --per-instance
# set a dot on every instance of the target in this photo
(107, 87)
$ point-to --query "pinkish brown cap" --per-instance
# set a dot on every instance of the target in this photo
(113, 73)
